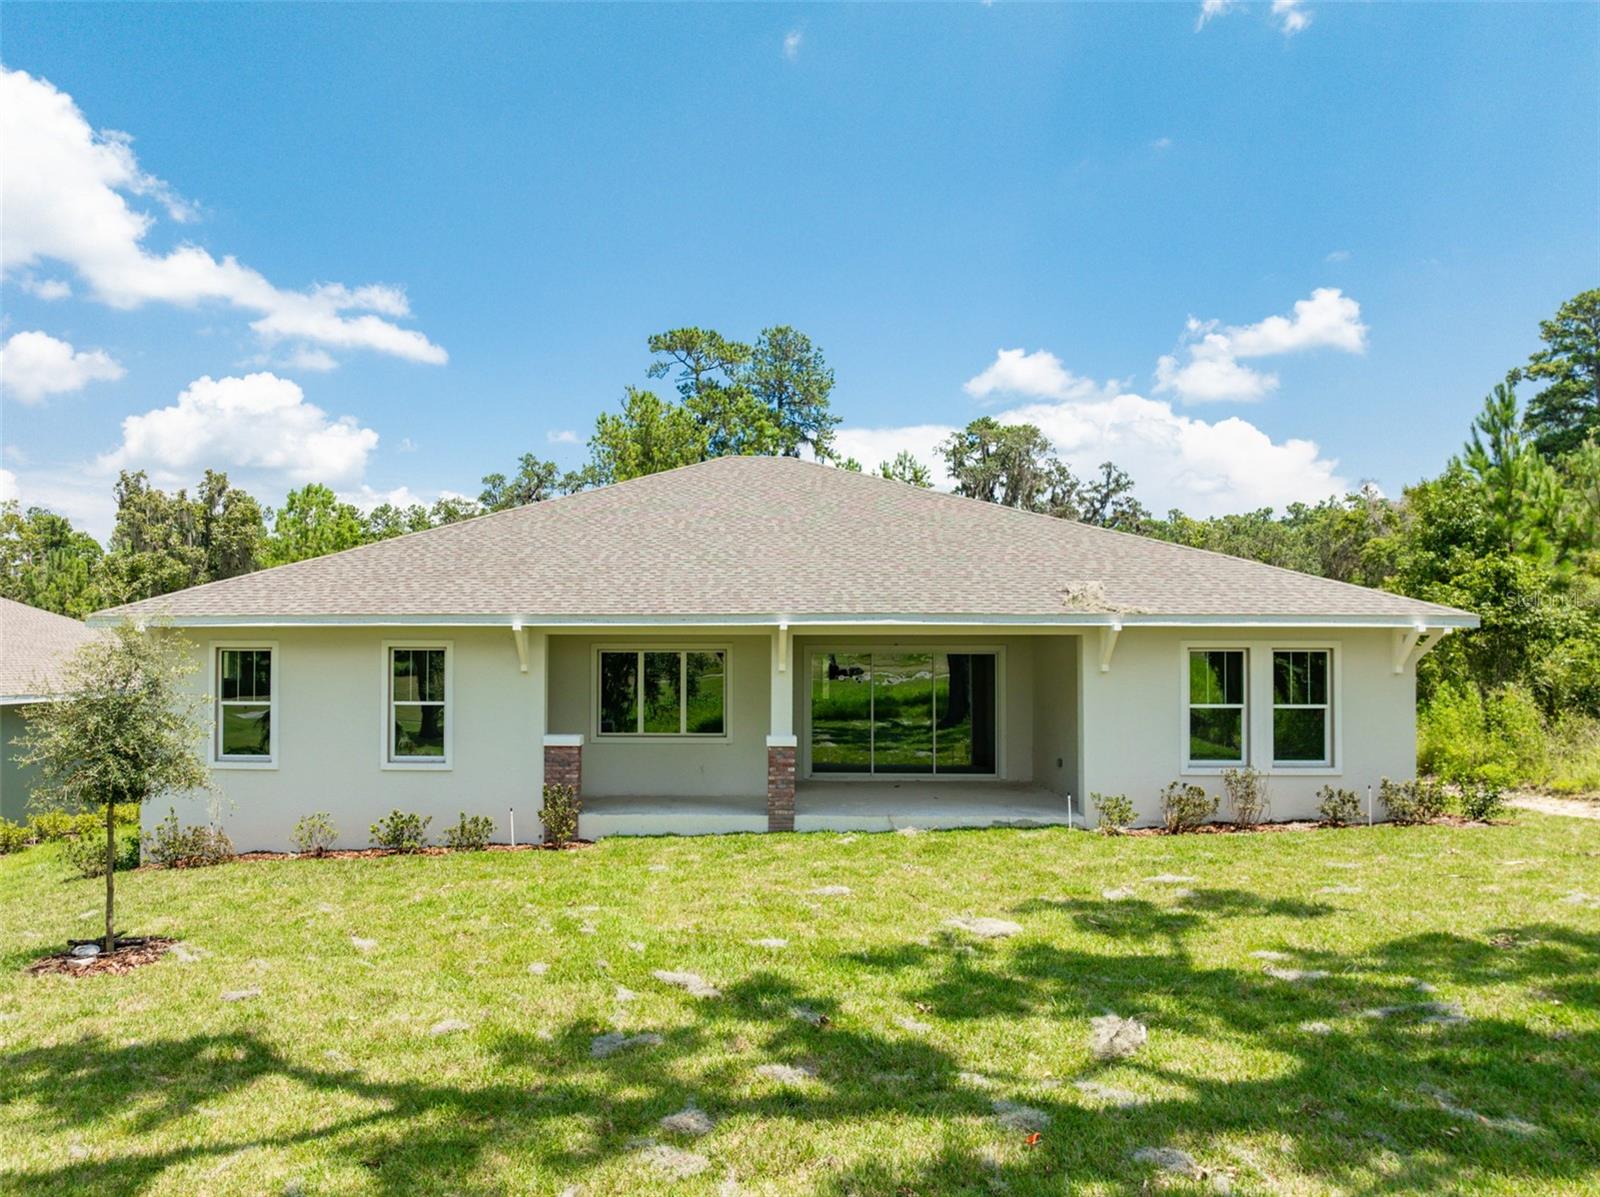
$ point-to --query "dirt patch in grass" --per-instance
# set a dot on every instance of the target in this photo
(370, 853)
(131, 952)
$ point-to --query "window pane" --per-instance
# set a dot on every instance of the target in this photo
(964, 710)
(263, 673)
(406, 685)
(841, 713)
(619, 692)
(1216, 675)
(418, 729)
(1216, 734)
(706, 675)
(430, 673)
(902, 708)
(1299, 734)
(662, 692)
(1317, 677)
(246, 730)
(229, 687)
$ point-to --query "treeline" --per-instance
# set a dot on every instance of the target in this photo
(1510, 529)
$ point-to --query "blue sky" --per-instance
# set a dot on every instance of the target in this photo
(451, 229)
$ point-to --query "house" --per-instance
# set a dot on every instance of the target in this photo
(757, 643)
(34, 644)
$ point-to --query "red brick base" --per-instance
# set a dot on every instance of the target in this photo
(563, 766)
(780, 789)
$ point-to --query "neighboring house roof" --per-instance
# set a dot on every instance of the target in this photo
(33, 646)
(771, 537)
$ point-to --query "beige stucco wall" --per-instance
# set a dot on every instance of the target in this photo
(331, 722)
(1133, 716)
(1116, 732)
(732, 767)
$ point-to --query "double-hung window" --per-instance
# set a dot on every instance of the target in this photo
(663, 692)
(1302, 727)
(245, 731)
(417, 695)
(1216, 715)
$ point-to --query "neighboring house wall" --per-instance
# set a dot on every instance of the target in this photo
(1133, 716)
(16, 781)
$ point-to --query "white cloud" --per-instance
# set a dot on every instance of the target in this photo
(1161, 143)
(1291, 16)
(1329, 319)
(259, 423)
(792, 41)
(307, 357)
(1338, 255)
(1210, 9)
(35, 365)
(8, 486)
(1038, 375)
(65, 189)
(872, 446)
(563, 436)
(49, 289)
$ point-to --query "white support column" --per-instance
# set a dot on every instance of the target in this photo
(781, 727)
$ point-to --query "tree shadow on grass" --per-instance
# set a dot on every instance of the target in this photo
(1358, 1108)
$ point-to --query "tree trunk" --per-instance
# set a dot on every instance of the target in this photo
(111, 869)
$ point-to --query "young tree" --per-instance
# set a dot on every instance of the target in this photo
(649, 435)
(790, 376)
(122, 728)
(312, 523)
(1522, 488)
(47, 563)
(1567, 410)
(906, 468)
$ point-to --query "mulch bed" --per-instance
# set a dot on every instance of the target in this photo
(1291, 825)
(132, 951)
(433, 850)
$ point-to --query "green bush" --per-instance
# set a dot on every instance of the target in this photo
(560, 814)
(52, 826)
(14, 837)
(86, 854)
(176, 847)
(1184, 807)
(314, 834)
(402, 831)
(1338, 808)
(1247, 794)
(1574, 754)
(1420, 801)
(1464, 737)
(1116, 812)
(1481, 800)
(471, 834)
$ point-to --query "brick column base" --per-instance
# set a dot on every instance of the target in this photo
(563, 766)
(780, 789)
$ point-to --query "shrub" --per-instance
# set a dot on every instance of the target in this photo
(471, 834)
(1481, 800)
(560, 814)
(1184, 807)
(1466, 737)
(52, 826)
(1116, 812)
(176, 847)
(1247, 794)
(401, 831)
(314, 834)
(13, 837)
(1419, 801)
(86, 854)
(1338, 807)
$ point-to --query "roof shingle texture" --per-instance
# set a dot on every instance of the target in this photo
(770, 536)
(33, 646)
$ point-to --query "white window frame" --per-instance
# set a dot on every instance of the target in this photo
(386, 758)
(898, 646)
(1330, 753)
(1214, 768)
(680, 736)
(214, 756)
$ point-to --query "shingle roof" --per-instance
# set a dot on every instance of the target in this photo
(764, 536)
(33, 645)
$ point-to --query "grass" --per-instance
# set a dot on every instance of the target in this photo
(330, 1082)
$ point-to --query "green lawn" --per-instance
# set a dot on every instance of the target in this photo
(329, 1081)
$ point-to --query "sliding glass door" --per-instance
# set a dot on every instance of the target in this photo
(899, 711)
